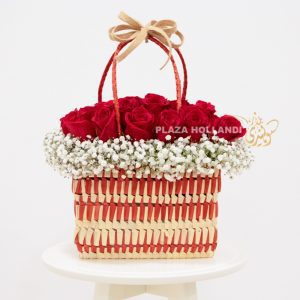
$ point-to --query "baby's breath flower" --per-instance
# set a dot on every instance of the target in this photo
(73, 158)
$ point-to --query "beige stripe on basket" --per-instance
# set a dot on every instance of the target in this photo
(180, 235)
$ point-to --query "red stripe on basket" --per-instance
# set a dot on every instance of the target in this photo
(211, 209)
(76, 239)
(164, 186)
(191, 211)
(200, 245)
(219, 182)
(126, 210)
(149, 185)
(159, 248)
(215, 236)
(157, 211)
(112, 211)
(92, 239)
(178, 186)
(119, 184)
(138, 245)
(150, 210)
(213, 184)
(206, 184)
(163, 212)
(103, 185)
(170, 211)
(165, 247)
(89, 211)
(194, 245)
(170, 187)
(186, 246)
(96, 181)
(183, 210)
(199, 184)
(104, 210)
(206, 246)
(157, 185)
(131, 247)
(205, 210)
(145, 246)
(214, 246)
(198, 210)
(142, 186)
(191, 185)
(216, 209)
(119, 210)
(134, 211)
(81, 211)
(78, 187)
(172, 246)
(179, 246)
(184, 185)
(96, 211)
(89, 199)
(142, 211)
(88, 185)
(126, 185)
(152, 246)
(112, 181)
(123, 246)
(134, 185)
(108, 245)
(177, 211)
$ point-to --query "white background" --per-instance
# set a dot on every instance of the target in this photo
(242, 55)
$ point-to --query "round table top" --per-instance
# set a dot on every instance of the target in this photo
(63, 259)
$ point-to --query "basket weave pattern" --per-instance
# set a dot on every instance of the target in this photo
(119, 217)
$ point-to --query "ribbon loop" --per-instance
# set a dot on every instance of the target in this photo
(135, 33)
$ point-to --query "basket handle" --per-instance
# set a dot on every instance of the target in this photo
(113, 62)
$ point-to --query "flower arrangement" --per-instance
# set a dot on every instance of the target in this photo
(146, 172)
(157, 140)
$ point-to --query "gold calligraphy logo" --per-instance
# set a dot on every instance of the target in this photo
(259, 133)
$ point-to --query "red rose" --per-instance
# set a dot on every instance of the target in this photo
(207, 107)
(155, 103)
(168, 124)
(105, 121)
(78, 123)
(127, 104)
(195, 121)
(87, 112)
(229, 128)
(139, 124)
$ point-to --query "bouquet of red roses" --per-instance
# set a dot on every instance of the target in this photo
(151, 117)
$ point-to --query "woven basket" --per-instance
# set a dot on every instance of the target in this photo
(128, 217)
(120, 217)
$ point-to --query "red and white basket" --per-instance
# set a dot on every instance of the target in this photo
(126, 217)
(146, 217)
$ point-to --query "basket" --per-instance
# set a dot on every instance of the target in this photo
(118, 216)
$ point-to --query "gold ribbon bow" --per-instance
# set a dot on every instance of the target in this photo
(135, 33)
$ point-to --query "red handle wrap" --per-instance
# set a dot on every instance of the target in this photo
(113, 62)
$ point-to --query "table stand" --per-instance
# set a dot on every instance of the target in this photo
(114, 279)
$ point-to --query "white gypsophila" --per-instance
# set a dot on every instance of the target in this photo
(73, 158)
